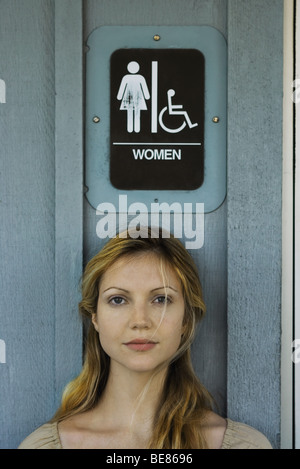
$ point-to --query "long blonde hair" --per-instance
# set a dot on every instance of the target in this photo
(184, 401)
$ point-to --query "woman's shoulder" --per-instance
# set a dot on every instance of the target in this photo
(241, 436)
(44, 437)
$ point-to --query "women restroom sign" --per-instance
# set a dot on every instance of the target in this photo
(157, 119)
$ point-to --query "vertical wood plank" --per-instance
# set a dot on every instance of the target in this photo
(68, 189)
(27, 202)
(254, 212)
(210, 346)
(287, 231)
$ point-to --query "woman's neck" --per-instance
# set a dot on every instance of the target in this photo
(131, 398)
(123, 417)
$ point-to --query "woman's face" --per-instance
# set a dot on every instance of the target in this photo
(139, 313)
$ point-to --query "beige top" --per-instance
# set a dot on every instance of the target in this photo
(237, 436)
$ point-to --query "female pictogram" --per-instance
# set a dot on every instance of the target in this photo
(133, 93)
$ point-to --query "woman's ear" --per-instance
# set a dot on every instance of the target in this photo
(94, 321)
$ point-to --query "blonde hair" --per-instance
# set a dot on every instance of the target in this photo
(184, 400)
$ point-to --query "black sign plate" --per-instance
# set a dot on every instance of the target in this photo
(157, 119)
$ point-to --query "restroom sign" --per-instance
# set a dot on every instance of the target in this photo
(157, 119)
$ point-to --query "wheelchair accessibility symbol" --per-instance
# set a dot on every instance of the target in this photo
(175, 110)
(133, 94)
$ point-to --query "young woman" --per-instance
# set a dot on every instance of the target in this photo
(137, 389)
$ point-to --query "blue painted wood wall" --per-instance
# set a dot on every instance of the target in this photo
(48, 228)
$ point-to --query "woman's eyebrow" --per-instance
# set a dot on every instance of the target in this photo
(164, 287)
(154, 289)
(115, 288)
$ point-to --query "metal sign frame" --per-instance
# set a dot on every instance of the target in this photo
(102, 43)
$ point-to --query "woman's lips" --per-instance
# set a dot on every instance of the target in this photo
(140, 345)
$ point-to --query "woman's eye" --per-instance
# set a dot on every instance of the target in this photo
(117, 300)
(162, 299)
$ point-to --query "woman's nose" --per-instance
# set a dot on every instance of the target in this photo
(140, 317)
